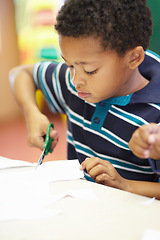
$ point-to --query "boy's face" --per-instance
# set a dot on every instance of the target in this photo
(97, 74)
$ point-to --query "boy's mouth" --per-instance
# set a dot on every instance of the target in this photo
(84, 95)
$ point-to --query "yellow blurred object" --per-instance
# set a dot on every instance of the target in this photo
(41, 4)
(39, 99)
(37, 38)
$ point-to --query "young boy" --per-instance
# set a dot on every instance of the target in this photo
(107, 87)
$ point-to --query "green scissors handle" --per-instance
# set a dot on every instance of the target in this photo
(48, 140)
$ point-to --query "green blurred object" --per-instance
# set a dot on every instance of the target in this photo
(49, 53)
(154, 5)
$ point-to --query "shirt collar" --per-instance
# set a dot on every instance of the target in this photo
(150, 69)
(121, 101)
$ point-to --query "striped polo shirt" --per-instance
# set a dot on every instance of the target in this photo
(103, 129)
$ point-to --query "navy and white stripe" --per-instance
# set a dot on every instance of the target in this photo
(103, 129)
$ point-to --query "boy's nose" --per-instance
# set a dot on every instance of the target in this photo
(77, 79)
(72, 73)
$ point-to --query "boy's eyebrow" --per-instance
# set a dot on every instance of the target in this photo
(82, 63)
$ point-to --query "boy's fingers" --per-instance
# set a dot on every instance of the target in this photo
(89, 163)
(84, 163)
(36, 142)
(140, 148)
(96, 166)
(137, 141)
(97, 170)
(142, 153)
(144, 134)
(105, 179)
(148, 132)
(54, 143)
(54, 134)
(102, 169)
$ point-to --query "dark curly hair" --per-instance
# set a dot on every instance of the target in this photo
(120, 25)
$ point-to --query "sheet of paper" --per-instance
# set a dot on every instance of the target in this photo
(23, 196)
(21, 184)
(35, 182)
(60, 170)
(148, 201)
(25, 192)
(30, 208)
(83, 194)
(49, 171)
(151, 234)
(10, 163)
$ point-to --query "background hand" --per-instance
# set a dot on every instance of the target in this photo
(145, 141)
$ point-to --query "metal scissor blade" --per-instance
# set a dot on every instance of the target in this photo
(40, 159)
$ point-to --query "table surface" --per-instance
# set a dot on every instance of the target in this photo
(114, 215)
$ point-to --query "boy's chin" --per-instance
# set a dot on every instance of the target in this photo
(92, 101)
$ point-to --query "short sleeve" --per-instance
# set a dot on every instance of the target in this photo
(50, 78)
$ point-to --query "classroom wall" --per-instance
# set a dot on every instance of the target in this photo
(9, 57)
(154, 5)
(9, 53)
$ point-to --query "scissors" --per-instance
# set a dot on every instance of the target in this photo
(47, 145)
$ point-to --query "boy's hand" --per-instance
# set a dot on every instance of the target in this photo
(104, 173)
(37, 124)
(145, 141)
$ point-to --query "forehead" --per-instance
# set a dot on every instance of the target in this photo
(80, 46)
(86, 50)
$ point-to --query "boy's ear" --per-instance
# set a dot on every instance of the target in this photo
(136, 57)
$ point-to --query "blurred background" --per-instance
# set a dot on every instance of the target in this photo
(27, 35)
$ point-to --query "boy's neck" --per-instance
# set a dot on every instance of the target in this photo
(136, 82)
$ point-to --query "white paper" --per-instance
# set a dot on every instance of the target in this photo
(151, 234)
(25, 192)
(149, 201)
(22, 184)
(60, 170)
(10, 163)
(35, 183)
(83, 194)
(23, 196)
(32, 207)
(49, 171)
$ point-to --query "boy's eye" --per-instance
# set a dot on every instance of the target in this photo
(71, 66)
(90, 73)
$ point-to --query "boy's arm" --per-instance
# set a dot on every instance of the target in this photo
(145, 141)
(148, 189)
(23, 87)
(24, 90)
(103, 172)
